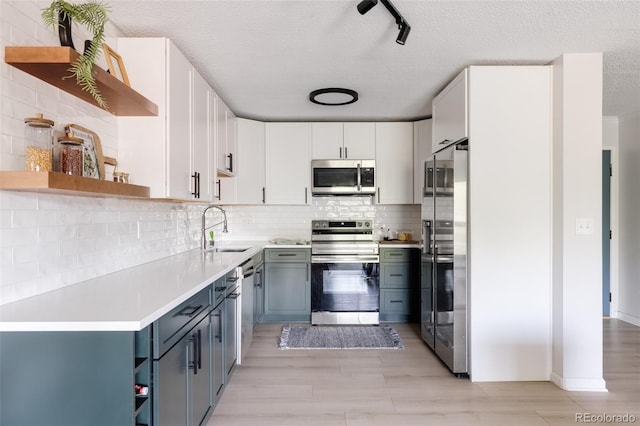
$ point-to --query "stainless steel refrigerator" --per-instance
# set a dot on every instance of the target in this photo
(445, 256)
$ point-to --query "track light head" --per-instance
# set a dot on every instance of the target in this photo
(404, 33)
(366, 5)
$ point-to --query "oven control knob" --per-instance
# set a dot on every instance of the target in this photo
(367, 224)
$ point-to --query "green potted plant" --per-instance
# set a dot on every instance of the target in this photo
(93, 15)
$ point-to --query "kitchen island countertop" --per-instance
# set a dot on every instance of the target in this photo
(126, 300)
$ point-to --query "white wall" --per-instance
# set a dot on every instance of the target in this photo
(628, 301)
(577, 258)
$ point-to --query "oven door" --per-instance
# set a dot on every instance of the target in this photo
(345, 290)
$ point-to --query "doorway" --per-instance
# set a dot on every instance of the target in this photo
(606, 232)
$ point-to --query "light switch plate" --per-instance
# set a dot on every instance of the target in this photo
(584, 226)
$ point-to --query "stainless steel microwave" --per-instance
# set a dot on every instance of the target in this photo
(343, 177)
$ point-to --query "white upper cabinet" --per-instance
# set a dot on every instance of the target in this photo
(250, 177)
(288, 163)
(421, 151)
(394, 163)
(360, 141)
(449, 108)
(343, 140)
(226, 139)
(202, 145)
(160, 152)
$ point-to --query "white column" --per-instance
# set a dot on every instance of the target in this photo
(577, 211)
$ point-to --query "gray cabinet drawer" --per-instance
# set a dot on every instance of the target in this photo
(395, 275)
(287, 255)
(170, 328)
(395, 255)
(395, 305)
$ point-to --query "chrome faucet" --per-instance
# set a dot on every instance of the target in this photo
(204, 223)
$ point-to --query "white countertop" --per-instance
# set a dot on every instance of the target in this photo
(126, 300)
(131, 299)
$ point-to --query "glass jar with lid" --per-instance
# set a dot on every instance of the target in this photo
(70, 155)
(38, 135)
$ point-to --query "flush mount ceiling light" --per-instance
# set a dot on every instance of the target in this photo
(366, 5)
(333, 96)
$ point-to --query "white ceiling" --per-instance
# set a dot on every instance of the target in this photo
(265, 56)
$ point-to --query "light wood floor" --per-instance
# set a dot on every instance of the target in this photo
(411, 387)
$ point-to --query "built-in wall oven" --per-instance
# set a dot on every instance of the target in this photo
(345, 272)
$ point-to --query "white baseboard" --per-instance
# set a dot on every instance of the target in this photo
(628, 318)
(579, 385)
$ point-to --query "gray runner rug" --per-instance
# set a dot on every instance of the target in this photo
(340, 337)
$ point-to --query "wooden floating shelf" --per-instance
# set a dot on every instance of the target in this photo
(60, 183)
(51, 64)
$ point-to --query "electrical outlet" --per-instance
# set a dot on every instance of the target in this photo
(584, 226)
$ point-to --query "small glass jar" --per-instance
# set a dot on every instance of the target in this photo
(70, 155)
(38, 135)
(121, 177)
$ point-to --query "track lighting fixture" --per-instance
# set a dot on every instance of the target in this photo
(366, 5)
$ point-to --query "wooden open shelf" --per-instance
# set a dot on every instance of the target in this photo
(60, 183)
(51, 64)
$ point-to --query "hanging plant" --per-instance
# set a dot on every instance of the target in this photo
(93, 16)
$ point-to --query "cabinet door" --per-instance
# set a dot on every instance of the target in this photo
(179, 87)
(230, 333)
(421, 151)
(221, 134)
(287, 294)
(171, 373)
(217, 357)
(288, 163)
(394, 163)
(395, 275)
(327, 141)
(450, 113)
(200, 397)
(231, 122)
(258, 295)
(201, 166)
(251, 168)
(360, 141)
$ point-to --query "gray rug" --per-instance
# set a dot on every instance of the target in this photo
(339, 337)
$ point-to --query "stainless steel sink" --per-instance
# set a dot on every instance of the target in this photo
(232, 249)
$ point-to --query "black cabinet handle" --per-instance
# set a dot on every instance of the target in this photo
(188, 311)
(221, 288)
(196, 184)
(193, 365)
(345, 152)
(396, 275)
(263, 199)
(199, 349)
(395, 301)
(219, 189)
(230, 157)
(219, 335)
(340, 152)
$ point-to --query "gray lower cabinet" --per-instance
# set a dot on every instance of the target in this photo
(182, 363)
(258, 294)
(74, 378)
(217, 358)
(399, 284)
(287, 285)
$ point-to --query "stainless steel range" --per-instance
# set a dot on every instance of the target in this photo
(345, 272)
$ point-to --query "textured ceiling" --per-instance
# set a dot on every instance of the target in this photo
(264, 57)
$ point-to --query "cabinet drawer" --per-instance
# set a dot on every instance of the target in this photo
(395, 275)
(395, 302)
(288, 255)
(171, 326)
(395, 255)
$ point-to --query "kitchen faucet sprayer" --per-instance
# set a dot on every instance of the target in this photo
(205, 227)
